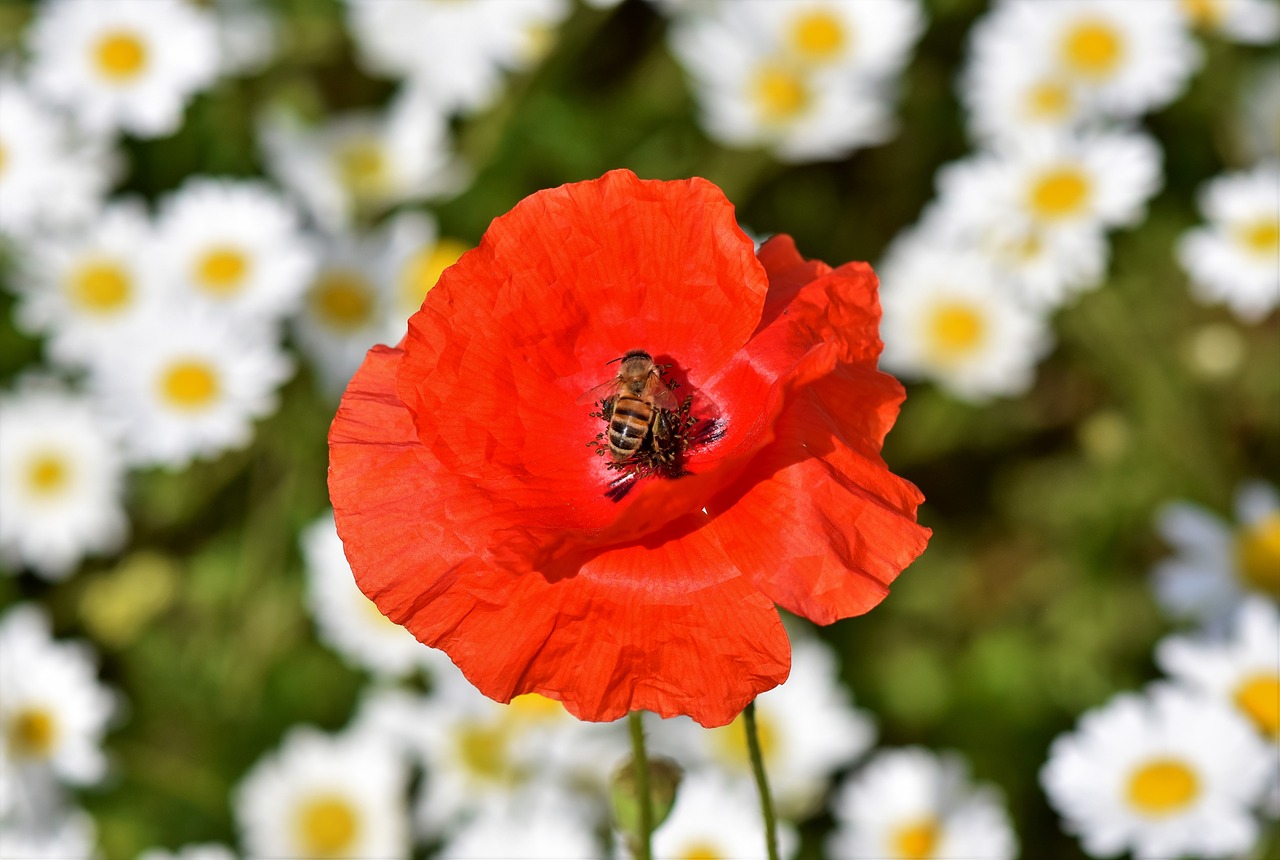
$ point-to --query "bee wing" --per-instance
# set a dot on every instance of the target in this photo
(596, 393)
(662, 397)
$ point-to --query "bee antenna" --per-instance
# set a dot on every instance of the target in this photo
(614, 361)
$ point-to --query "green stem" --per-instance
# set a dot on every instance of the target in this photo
(762, 782)
(644, 850)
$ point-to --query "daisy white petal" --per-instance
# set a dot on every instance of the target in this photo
(1254, 22)
(202, 851)
(416, 256)
(714, 816)
(70, 836)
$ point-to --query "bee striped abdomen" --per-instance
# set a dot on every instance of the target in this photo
(628, 426)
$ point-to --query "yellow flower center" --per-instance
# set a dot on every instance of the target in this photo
(190, 385)
(121, 56)
(48, 474)
(327, 826)
(1048, 100)
(1258, 554)
(482, 750)
(342, 299)
(422, 272)
(101, 287)
(222, 270)
(730, 742)
(955, 329)
(4, 158)
(1162, 787)
(31, 733)
(362, 167)
(1262, 238)
(1203, 13)
(532, 707)
(1259, 698)
(916, 841)
(1093, 48)
(700, 851)
(780, 93)
(1060, 193)
(818, 36)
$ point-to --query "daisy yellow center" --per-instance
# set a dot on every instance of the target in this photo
(1093, 48)
(327, 826)
(533, 707)
(956, 329)
(362, 165)
(1259, 698)
(917, 840)
(1060, 193)
(190, 385)
(222, 270)
(701, 851)
(121, 56)
(731, 740)
(1163, 787)
(1262, 238)
(1203, 13)
(422, 272)
(101, 287)
(818, 36)
(1048, 101)
(1258, 554)
(483, 751)
(342, 300)
(31, 733)
(3, 158)
(48, 475)
(781, 94)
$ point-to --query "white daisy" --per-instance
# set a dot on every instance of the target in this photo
(127, 64)
(807, 728)
(1236, 257)
(1257, 114)
(1217, 564)
(53, 712)
(1124, 58)
(416, 256)
(61, 482)
(1167, 774)
(188, 386)
(358, 164)
(913, 804)
(201, 851)
(453, 54)
(50, 176)
(320, 796)
(351, 623)
(950, 317)
(69, 836)
(545, 825)
(232, 247)
(248, 33)
(1254, 22)
(716, 817)
(1242, 672)
(85, 288)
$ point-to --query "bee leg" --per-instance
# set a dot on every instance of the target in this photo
(665, 441)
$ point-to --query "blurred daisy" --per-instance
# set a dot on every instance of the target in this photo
(1217, 564)
(1124, 58)
(1235, 258)
(349, 622)
(949, 317)
(913, 804)
(86, 287)
(1167, 774)
(1257, 114)
(453, 54)
(128, 64)
(320, 796)
(1254, 22)
(61, 482)
(416, 256)
(716, 817)
(233, 247)
(202, 851)
(248, 33)
(541, 826)
(358, 164)
(50, 176)
(189, 386)
(71, 835)
(808, 730)
(53, 712)
(1242, 671)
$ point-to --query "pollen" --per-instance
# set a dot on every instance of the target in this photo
(424, 269)
(818, 36)
(101, 287)
(121, 56)
(956, 329)
(1261, 238)
(362, 166)
(327, 826)
(31, 733)
(1048, 100)
(1163, 787)
(1258, 554)
(917, 840)
(343, 299)
(190, 385)
(1060, 193)
(222, 270)
(781, 93)
(1093, 49)
(1259, 698)
(48, 475)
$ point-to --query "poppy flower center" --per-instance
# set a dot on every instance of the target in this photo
(1094, 49)
(222, 270)
(327, 826)
(121, 56)
(1060, 193)
(781, 94)
(818, 36)
(1258, 554)
(1162, 787)
(48, 475)
(1259, 698)
(342, 300)
(917, 840)
(422, 271)
(31, 733)
(101, 287)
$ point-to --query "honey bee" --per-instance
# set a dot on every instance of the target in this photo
(640, 410)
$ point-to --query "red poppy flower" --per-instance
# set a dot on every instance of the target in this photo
(475, 512)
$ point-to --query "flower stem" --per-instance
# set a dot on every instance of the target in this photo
(762, 782)
(644, 850)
